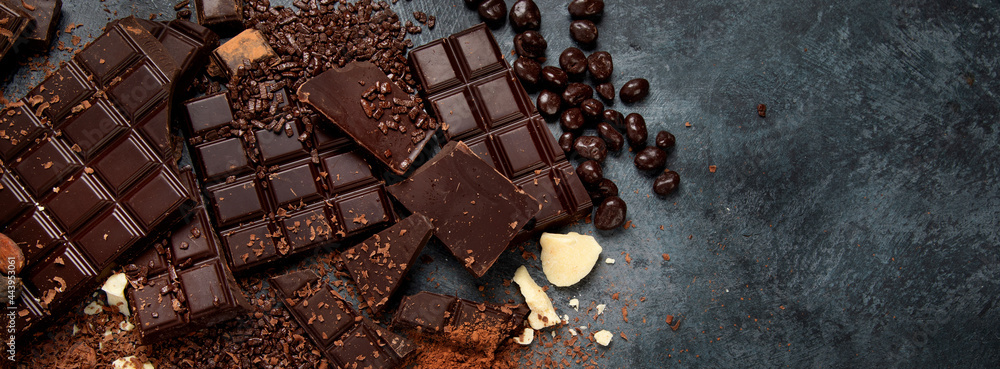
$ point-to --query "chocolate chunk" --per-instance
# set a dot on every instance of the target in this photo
(575, 93)
(590, 172)
(248, 46)
(666, 183)
(603, 189)
(220, 15)
(601, 67)
(584, 32)
(591, 147)
(573, 61)
(345, 337)
(206, 292)
(13, 21)
(549, 103)
(493, 12)
(610, 214)
(528, 70)
(336, 93)
(530, 44)
(377, 265)
(554, 79)
(593, 110)
(606, 91)
(635, 130)
(634, 91)
(82, 199)
(665, 140)
(762, 110)
(45, 15)
(616, 119)
(611, 136)
(475, 215)
(586, 9)
(566, 141)
(492, 113)
(571, 119)
(524, 15)
(462, 323)
(650, 158)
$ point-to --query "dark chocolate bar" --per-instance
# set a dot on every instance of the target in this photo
(183, 283)
(377, 265)
(274, 192)
(361, 100)
(44, 22)
(220, 15)
(474, 93)
(464, 323)
(248, 46)
(346, 338)
(13, 21)
(476, 211)
(91, 174)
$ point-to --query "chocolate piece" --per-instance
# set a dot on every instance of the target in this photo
(610, 214)
(600, 66)
(573, 61)
(634, 90)
(493, 12)
(312, 190)
(530, 44)
(590, 172)
(583, 31)
(525, 15)
(220, 15)
(183, 283)
(45, 15)
(345, 337)
(586, 9)
(379, 263)
(347, 97)
(250, 45)
(650, 158)
(666, 183)
(464, 323)
(13, 21)
(665, 140)
(635, 130)
(109, 181)
(473, 92)
(475, 214)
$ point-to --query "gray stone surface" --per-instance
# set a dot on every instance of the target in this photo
(855, 226)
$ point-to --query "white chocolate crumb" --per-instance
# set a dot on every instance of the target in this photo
(600, 308)
(603, 337)
(572, 331)
(114, 287)
(126, 325)
(75, 329)
(543, 314)
(575, 304)
(131, 362)
(526, 337)
(609, 261)
(93, 308)
(568, 258)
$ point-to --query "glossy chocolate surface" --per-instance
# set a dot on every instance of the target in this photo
(464, 323)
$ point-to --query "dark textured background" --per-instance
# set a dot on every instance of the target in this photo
(855, 226)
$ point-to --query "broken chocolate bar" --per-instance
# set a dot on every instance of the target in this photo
(476, 211)
(475, 94)
(13, 21)
(45, 22)
(377, 265)
(345, 337)
(464, 323)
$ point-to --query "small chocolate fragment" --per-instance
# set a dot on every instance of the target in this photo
(610, 213)
(250, 45)
(220, 15)
(650, 158)
(762, 110)
(475, 215)
(611, 136)
(590, 172)
(528, 71)
(493, 12)
(45, 15)
(566, 141)
(634, 91)
(600, 66)
(530, 44)
(571, 119)
(584, 32)
(635, 130)
(606, 91)
(554, 79)
(665, 140)
(666, 183)
(616, 119)
(591, 147)
(575, 93)
(573, 61)
(463, 323)
(377, 265)
(593, 110)
(586, 9)
(549, 103)
(604, 189)
(346, 338)
(338, 94)
(524, 15)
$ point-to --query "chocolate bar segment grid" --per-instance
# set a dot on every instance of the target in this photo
(345, 337)
(13, 21)
(274, 192)
(87, 179)
(474, 93)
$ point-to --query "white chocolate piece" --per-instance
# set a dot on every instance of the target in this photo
(603, 337)
(567, 258)
(126, 325)
(543, 314)
(114, 287)
(575, 304)
(572, 331)
(526, 337)
(600, 308)
(609, 261)
(93, 308)
(131, 362)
